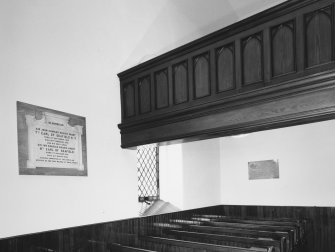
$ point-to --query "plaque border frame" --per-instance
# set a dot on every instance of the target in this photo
(28, 110)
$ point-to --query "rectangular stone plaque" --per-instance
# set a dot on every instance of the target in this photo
(50, 142)
(265, 169)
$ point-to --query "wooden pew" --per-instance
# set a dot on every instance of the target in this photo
(300, 225)
(283, 237)
(232, 218)
(40, 249)
(159, 229)
(228, 240)
(121, 248)
(292, 232)
(281, 220)
(174, 245)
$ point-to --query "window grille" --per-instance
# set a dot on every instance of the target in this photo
(148, 172)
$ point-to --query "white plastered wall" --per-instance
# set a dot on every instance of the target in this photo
(197, 163)
(187, 170)
(201, 173)
(171, 174)
(216, 171)
(64, 55)
(306, 166)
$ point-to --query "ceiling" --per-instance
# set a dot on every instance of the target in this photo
(177, 22)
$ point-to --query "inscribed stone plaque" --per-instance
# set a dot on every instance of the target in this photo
(265, 169)
(50, 142)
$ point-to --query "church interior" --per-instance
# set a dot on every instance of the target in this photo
(238, 98)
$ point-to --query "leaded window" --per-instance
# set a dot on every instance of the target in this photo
(148, 172)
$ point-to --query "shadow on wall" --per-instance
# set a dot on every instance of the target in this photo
(180, 22)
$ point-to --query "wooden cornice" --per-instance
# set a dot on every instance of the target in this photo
(271, 57)
(231, 30)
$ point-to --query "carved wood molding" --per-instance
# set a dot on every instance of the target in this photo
(216, 85)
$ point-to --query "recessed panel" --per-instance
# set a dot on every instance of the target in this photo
(129, 99)
(252, 55)
(144, 95)
(225, 68)
(180, 83)
(283, 49)
(162, 89)
(201, 76)
(319, 33)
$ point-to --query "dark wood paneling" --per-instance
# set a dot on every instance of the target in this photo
(129, 99)
(283, 48)
(144, 95)
(319, 237)
(162, 89)
(252, 53)
(321, 222)
(226, 240)
(267, 56)
(300, 43)
(201, 77)
(238, 64)
(319, 36)
(225, 68)
(180, 83)
(273, 112)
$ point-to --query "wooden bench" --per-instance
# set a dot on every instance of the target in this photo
(159, 229)
(228, 240)
(292, 231)
(121, 248)
(280, 220)
(300, 225)
(39, 249)
(283, 236)
(174, 245)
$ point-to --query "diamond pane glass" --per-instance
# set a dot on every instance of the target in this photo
(148, 172)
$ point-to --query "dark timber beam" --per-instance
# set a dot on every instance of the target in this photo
(275, 69)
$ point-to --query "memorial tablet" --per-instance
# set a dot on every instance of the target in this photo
(265, 169)
(50, 142)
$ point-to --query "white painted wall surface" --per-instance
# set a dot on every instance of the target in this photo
(190, 174)
(201, 173)
(64, 55)
(216, 171)
(191, 20)
(171, 174)
(306, 166)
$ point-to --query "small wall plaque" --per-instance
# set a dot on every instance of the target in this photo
(50, 142)
(265, 169)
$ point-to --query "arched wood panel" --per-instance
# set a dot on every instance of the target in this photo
(283, 52)
(252, 59)
(225, 68)
(319, 36)
(144, 95)
(162, 89)
(180, 83)
(129, 99)
(201, 76)
(283, 49)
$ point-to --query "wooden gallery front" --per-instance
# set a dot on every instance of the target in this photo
(271, 72)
